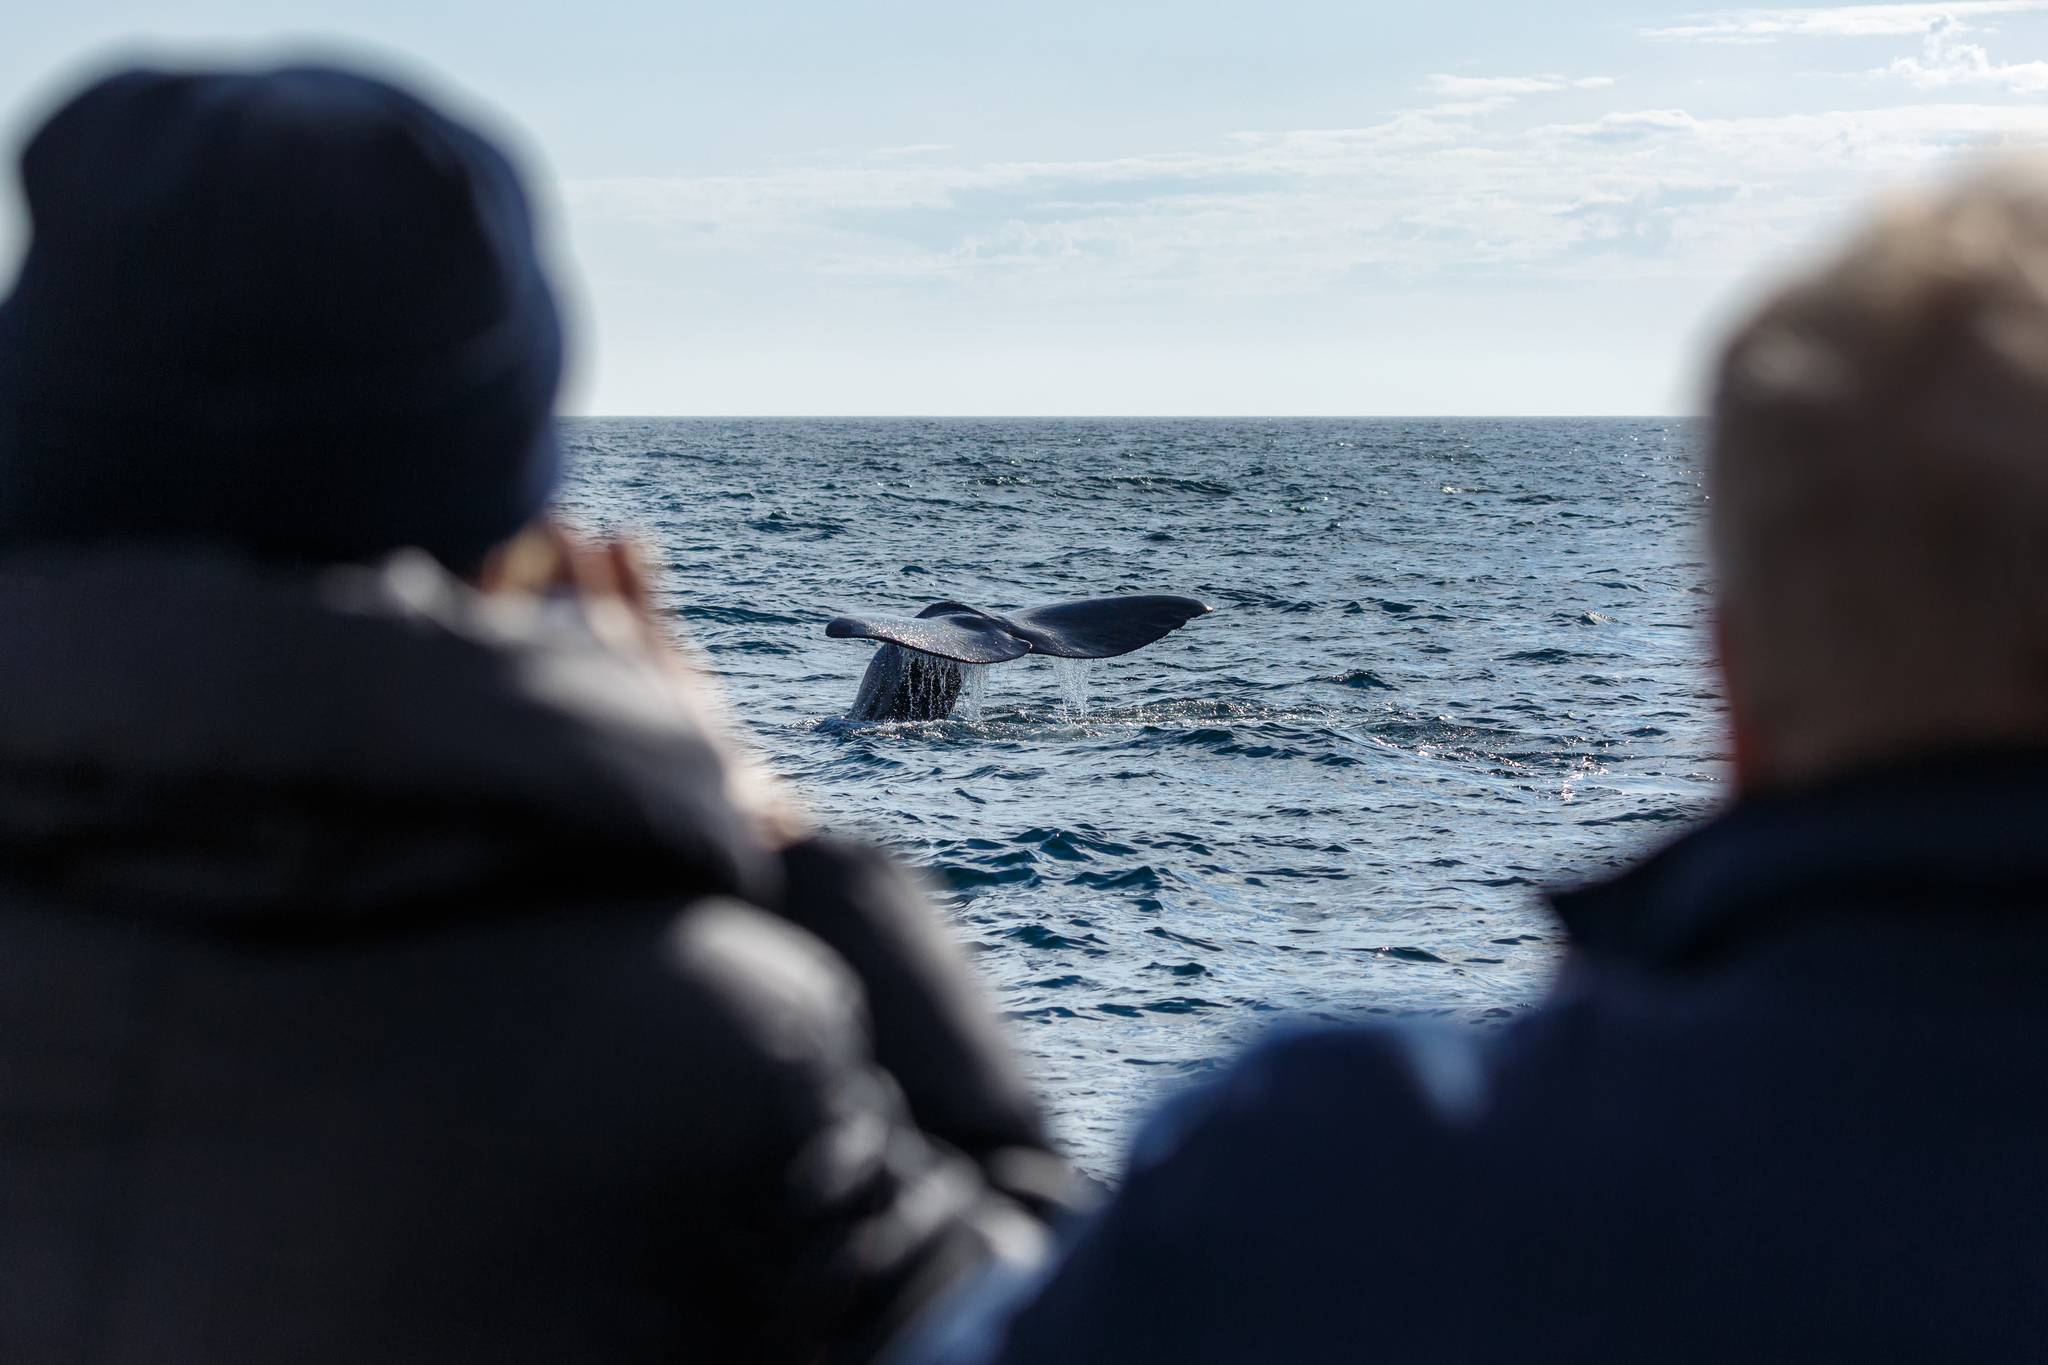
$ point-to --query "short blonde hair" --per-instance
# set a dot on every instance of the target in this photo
(1879, 488)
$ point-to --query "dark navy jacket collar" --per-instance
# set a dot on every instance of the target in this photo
(1891, 839)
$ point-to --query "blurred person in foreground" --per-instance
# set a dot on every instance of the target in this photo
(1787, 1102)
(393, 964)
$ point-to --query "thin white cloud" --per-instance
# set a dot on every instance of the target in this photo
(1835, 21)
(1484, 87)
(1633, 123)
(913, 149)
(1637, 193)
(1946, 61)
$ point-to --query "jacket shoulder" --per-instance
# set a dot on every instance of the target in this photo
(776, 1026)
(1383, 1087)
(769, 979)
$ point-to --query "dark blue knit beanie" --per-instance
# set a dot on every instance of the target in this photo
(297, 313)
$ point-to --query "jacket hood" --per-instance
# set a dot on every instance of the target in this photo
(213, 737)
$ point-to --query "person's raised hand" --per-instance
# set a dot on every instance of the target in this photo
(604, 581)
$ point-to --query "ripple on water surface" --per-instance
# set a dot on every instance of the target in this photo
(1452, 662)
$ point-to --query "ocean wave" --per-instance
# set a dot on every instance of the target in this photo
(1360, 678)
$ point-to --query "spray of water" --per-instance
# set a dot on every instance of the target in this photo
(1073, 679)
(973, 688)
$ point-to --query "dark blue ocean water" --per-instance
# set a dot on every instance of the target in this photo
(1451, 662)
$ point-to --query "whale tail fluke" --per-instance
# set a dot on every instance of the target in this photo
(1103, 627)
(916, 674)
(1091, 628)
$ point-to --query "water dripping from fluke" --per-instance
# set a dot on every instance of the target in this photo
(973, 691)
(1073, 680)
(934, 685)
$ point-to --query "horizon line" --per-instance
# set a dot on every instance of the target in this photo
(1131, 416)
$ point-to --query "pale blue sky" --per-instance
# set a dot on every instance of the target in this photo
(1470, 206)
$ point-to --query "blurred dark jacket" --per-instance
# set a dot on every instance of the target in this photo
(387, 974)
(1788, 1104)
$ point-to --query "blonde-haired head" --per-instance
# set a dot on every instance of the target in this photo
(1879, 490)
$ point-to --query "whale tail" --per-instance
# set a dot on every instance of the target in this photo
(916, 675)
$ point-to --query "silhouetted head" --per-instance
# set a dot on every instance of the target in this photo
(1879, 480)
(296, 312)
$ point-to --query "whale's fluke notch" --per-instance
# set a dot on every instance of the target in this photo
(915, 675)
